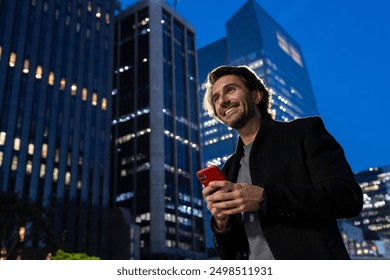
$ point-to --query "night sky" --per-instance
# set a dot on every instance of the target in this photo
(346, 48)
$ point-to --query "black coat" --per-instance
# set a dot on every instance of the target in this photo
(308, 185)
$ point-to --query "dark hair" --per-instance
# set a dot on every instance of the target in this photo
(250, 80)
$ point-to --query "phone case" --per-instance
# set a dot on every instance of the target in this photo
(208, 174)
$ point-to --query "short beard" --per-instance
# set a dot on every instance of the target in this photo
(241, 121)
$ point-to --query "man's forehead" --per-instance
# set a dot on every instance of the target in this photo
(225, 81)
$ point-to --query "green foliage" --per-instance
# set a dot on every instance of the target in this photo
(61, 255)
(16, 213)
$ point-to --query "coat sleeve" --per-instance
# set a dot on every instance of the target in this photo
(332, 191)
(232, 245)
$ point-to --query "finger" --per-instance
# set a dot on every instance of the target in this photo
(219, 184)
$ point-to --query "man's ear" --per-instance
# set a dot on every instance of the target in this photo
(257, 96)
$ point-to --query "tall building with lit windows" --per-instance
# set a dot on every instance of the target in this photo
(156, 137)
(375, 217)
(55, 97)
(255, 39)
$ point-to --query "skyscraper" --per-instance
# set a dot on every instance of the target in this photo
(55, 96)
(375, 217)
(156, 146)
(255, 39)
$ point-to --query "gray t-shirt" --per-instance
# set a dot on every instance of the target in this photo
(258, 246)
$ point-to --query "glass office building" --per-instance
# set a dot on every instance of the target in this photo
(156, 142)
(255, 39)
(55, 97)
(375, 217)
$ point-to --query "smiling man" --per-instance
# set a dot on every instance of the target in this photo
(287, 183)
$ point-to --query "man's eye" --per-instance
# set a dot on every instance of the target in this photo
(230, 89)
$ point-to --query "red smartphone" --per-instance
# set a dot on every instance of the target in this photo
(208, 174)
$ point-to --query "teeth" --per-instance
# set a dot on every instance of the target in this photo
(227, 112)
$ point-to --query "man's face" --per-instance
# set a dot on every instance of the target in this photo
(233, 103)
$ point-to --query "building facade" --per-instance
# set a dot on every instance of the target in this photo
(55, 94)
(155, 128)
(375, 217)
(255, 39)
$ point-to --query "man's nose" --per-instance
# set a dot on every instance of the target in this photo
(223, 99)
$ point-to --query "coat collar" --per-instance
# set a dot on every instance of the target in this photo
(266, 125)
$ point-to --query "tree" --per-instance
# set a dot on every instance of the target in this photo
(61, 255)
(22, 220)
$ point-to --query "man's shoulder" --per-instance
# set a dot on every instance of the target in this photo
(300, 122)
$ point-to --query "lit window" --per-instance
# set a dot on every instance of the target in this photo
(94, 99)
(145, 21)
(57, 157)
(29, 167)
(62, 84)
(1, 50)
(17, 144)
(26, 64)
(30, 149)
(84, 94)
(104, 104)
(98, 12)
(51, 79)
(1, 158)
(108, 18)
(55, 174)
(73, 89)
(44, 150)
(14, 165)
(2, 137)
(42, 171)
(67, 178)
(12, 59)
(38, 73)
(89, 6)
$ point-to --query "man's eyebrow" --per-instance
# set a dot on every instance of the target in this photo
(226, 86)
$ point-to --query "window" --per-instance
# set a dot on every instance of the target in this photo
(104, 104)
(26, 64)
(94, 99)
(38, 73)
(2, 137)
(17, 144)
(84, 94)
(73, 89)
(51, 79)
(62, 84)
(30, 149)
(12, 59)
(44, 150)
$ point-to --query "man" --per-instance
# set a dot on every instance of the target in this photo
(287, 182)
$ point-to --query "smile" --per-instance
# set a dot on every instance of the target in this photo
(228, 111)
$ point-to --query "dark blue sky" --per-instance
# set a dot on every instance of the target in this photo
(346, 47)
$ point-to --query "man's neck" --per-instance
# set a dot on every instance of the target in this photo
(249, 131)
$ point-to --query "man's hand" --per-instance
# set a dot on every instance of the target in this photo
(225, 198)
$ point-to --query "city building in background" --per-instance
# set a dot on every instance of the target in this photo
(155, 131)
(255, 39)
(374, 221)
(55, 97)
